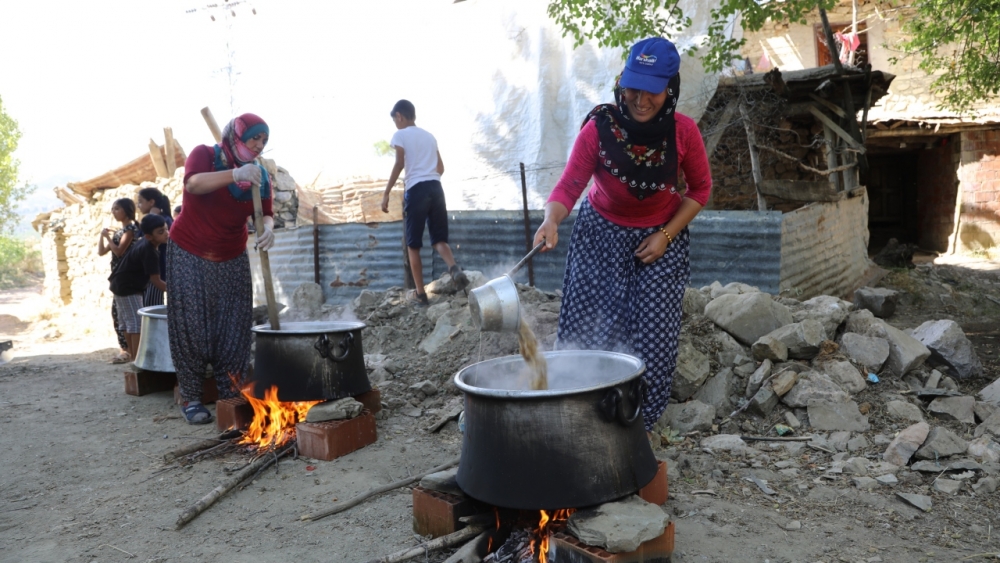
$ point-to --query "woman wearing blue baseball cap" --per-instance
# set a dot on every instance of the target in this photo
(627, 264)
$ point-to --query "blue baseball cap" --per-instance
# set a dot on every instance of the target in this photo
(651, 64)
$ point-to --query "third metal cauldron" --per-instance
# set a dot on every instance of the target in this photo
(310, 361)
(579, 443)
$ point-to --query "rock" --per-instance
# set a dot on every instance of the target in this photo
(764, 401)
(865, 483)
(694, 302)
(882, 468)
(443, 481)
(367, 298)
(941, 442)
(792, 526)
(413, 412)
(716, 391)
(880, 301)
(425, 387)
(447, 327)
(858, 443)
(792, 421)
(340, 409)
(906, 443)
(839, 440)
(828, 310)
(990, 426)
(801, 339)
(437, 310)
(729, 349)
(986, 485)
(828, 415)
(842, 373)
(954, 408)
(724, 443)
(811, 386)
(905, 352)
(769, 348)
(757, 379)
(949, 384)
(991, 393)
(901, 410)
(947, 486)
(618, 526)
(307, 299)
(693, 369)
(744, 367)
(887, 479)
(933, 380)
(949, 346)
(881, 440)
(748, 316)
(688, 417)
(920, 501)
(868, 351)
(928, 466)
(860, 322)
(733, 288)
(984, 449)
(783, 382)
(856, 466)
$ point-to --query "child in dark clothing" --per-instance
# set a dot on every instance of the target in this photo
(139, 267)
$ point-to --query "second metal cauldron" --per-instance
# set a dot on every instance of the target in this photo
(579, 443)
(310, 361)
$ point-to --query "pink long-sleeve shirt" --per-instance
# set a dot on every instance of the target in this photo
(611, 198)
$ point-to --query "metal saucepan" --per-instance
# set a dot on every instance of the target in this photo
(495, 306)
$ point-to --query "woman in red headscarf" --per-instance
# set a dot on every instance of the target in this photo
(210, 310)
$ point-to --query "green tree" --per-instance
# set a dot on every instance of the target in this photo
(11, 191)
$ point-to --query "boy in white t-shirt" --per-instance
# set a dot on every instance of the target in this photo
(423, 198)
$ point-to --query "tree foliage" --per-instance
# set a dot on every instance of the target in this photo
(958, 42)
(11, 192)
(620, 23)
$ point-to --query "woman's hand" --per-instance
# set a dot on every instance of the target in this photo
(652, 248)
(247, 173)
(265, 240)
(549, 231)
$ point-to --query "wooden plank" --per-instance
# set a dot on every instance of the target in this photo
(801, 190)
(157, 158)
(168, 137)
(836, 129)
(829, 105)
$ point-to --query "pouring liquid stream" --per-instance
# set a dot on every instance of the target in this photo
(537, 366)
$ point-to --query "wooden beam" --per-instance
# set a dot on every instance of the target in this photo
(754, 159)
(836, 129)
(213, 126)
(801, 190)
(168, 137)
(829, 105)
(157, 157)
(921, 132)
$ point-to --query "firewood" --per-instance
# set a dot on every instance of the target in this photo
(469, 553)
(198, 446)
(340, 507)
(247, 472)
(449, 540)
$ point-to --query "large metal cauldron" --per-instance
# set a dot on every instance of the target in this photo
(154, 343)
(310, 361)
(579, 443)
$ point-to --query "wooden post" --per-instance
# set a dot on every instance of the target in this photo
(527, 227)
(212, 125)
(754, 159)
(157, 157)
(168, 144)
(831, 155)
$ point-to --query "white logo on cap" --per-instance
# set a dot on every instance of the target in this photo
(644, 59)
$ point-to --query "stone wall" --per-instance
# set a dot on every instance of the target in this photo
(979, 192)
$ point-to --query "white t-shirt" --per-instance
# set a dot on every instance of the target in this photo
(419, 154)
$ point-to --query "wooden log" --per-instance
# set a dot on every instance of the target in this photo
(206, 114)
(470, 551)
(754, 158)
(801, 190)
(157, 157)
(340, 507)
(247, 472)
(168, 138)
(449, 540)
(837, 110)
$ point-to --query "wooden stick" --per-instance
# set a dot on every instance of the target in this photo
(449, 540)
(777, 438)
(212, 125)
(198, 446)
(157, 157)
(469, 551)
(754, 159)
(168, 144)
(377, 491)
(229, 484)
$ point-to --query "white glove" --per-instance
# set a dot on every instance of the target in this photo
(265, 240)
(247, 173)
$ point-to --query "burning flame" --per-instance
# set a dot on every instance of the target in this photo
(273, 421)
(543, 531)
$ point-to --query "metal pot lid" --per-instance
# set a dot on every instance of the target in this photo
(569, 372)
(154, 312)
(311, 327)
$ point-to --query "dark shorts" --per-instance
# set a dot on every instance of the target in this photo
(424, 203)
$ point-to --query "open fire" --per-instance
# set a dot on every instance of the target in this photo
(530, 542)
(273, 421)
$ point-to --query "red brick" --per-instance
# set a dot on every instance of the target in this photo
(335, 438)
(235, 413)
(436, 513)
(571, 550)
(145, 382)
(209, 392)
(656, 491)
(372, 400)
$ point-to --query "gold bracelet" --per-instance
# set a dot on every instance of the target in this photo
(670, 239)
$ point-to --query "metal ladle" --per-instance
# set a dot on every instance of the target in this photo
(495, 306)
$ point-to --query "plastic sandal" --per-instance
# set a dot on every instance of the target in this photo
(196, 414)
(122, 358)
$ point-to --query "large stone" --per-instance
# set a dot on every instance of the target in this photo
(618, 526)
(880, 301)
(901, 410)
(694, 302)
(984, 449)
(747, 316)
(447, 327)
(754, 382)
(947, 486)
(307, 302)
(729, 349)
(827, 415)
(868, 351)
(941, 442)
(991, 393)
(687, 417)
(990, 426)
(813, 385)
(905, 352)
(842, 373)
(906, 443)
(783, 382)
(770, 348)
(693, 368)
(949, 346)
(340, 409)
(763, 401)
(802, 339)
(724, 443)
(716, 391)
(828, 310)
(860, 322)
(984, 410)
(954, 408)
(922, 502)
(443, 481)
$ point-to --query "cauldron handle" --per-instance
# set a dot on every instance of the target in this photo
(325, 347)
(611, 404)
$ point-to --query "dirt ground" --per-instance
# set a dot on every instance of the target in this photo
(83, 479)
